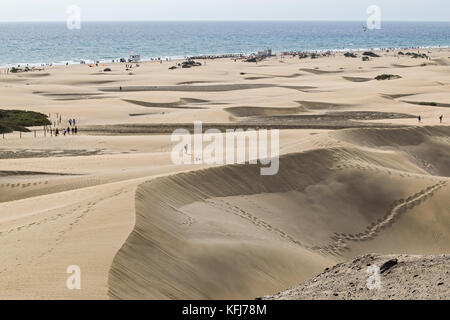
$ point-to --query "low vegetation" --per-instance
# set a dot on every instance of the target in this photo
(18, 120)
(387, 77)
(370, 54)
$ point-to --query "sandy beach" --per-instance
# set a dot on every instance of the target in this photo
(358, 174)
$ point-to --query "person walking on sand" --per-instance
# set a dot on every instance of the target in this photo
(441, 118)
(419, 118)
(70, 122)
(120, 88)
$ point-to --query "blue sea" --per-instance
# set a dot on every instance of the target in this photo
(36, 43)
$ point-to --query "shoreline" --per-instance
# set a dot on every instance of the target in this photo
(214, 56)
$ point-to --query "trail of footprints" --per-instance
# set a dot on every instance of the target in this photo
(379, 169)
(188, 219)
(81, 207)
(338, 244)
(40, 222)
(230, 208)
(84, 212)
(396, 209)
(23, 185)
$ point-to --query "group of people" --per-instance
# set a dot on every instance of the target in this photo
(441, 118)
(71, 129)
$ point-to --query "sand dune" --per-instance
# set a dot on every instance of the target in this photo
(208, 88)
(281, 122)
(262, 111)
(323, 206)
(34, 75)
(398, 95)
(428, 147)
(358, 174)
(315, 105)
(318, 71)
(357, 79)
(431, 104)
(258, 76)
(441, 62)
(168, 105)
(71, 96)
(26, 173)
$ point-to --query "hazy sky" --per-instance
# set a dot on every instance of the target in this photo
(127, 10)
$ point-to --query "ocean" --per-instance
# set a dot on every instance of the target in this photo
(36, 43)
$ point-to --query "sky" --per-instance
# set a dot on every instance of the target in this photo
(157, 10)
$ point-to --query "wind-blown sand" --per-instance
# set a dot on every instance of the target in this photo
(358, 174)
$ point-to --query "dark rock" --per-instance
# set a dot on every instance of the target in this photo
(370, 54)
(190, 63)
(416, 55)
(388, 265)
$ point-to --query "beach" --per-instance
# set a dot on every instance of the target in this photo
(358, 174)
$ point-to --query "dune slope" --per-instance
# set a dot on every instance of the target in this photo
(228, 232)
